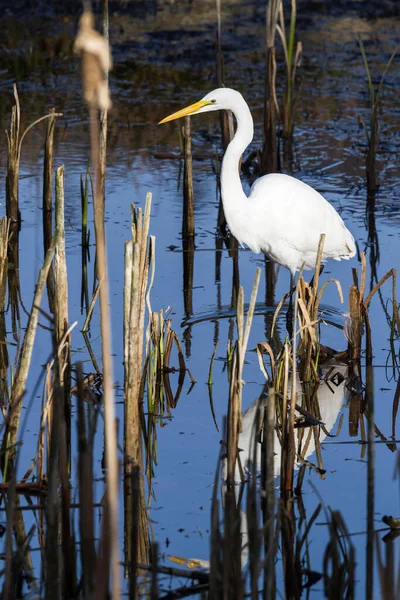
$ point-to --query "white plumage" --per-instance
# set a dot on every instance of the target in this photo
(282, 216)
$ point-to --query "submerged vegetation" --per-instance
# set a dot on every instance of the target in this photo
(91, 532)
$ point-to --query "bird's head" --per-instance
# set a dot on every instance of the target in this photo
(219, 99)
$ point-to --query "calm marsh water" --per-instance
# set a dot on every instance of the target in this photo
(164, 59)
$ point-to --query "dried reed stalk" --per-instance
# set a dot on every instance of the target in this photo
(139, 255)
(269, 154)
(225, 117)
(13, 160)
(233, 585)
(4, 235)
(369, 398)
(135, 532)
(62, 387)
(188, 196)
(188, 248)
(288, 530)
(53, 560)
(24, 361)
(374, 128)
(358, 309)
(339, 560)
(47, 198)
(292, 61)
(48, 167)
(14, 144)
(104, 111)
(236, 381)
(85, 473)
(96, 61)
(389, 573)
(85, 237)
(61, 305)
(268, 496)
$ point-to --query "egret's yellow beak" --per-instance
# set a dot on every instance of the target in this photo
(189, 110)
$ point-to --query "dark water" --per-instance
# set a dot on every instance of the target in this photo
(164, 59)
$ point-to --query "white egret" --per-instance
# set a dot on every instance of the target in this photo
(282, 216)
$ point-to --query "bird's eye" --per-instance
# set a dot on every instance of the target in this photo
(213, 101)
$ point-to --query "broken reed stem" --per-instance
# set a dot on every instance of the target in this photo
(13, 160)
(61, 319)
(137, 260)
(14, 144)
(139, 255)
(21, 375)
(60, 274)
(48, 165)
(188, 196)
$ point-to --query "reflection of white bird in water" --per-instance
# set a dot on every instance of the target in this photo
(330, 396)
(282, 217)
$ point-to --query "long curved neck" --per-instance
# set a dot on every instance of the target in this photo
(233, 197)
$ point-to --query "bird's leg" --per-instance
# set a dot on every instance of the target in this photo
(289, 314)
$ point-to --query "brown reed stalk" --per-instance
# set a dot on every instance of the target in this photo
(135, 531)
(373, 134)
(226, 118)
(48, 169)
(389, 572)
(4, 362)
(188, 196)
(24, 361)
(104, 111)
(188, 248)
(369, 398)
(268, 497)
(339, 560)
(216, 537)
(287, 523)
(52, 556)
(236, 381)
(292, 60)
(85, 474)
(232, 580)
(14, 144)
(13, 160)
(61, 307)
(139, 257)
(47, 198)
(358, 309)
(96, 61)
(269, 154)
(254, 534)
